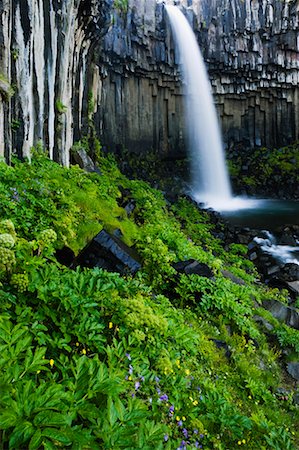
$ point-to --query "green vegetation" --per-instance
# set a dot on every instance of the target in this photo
(60, 107)
(265, 169)
(6, 90)
(93, 360)
(121, 5)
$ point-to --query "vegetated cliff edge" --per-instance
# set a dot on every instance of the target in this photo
(65, 64)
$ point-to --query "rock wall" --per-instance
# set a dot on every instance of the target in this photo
(65, 65)
(252, 51)
(46, 47)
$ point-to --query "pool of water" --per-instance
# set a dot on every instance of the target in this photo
(262, 214)
(254, 213)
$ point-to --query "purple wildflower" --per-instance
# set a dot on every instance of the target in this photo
(201, 436)
(195, 431)
(142, 378)
(166, 437)
(164, 398)
(150, 400)
(137, 385)
(128, 356)
(196, 443)
(185, 433)
(131, 369)
(158, 391)
(180, 423)
(157, 379)
(171, 409)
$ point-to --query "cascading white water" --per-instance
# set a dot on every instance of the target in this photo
(210, 181)
(283, 254)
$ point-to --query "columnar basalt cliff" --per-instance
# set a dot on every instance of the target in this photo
(61, 61)
(45, 52)
(252, 51)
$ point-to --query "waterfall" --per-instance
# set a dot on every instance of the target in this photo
(210, 181)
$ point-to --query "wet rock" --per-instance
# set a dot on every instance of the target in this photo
(287, 239)
(84, 161)
(289, 272)
(223, 345)
(191, 266)
(233, 277)
(110, 253)
(293, 370)
(267, 325)
(293, 287)
(126, 201)
(296, 399)
(283, 313)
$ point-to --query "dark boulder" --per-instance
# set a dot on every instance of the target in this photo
(110, 253)
(191, 266)
(233, 277)
(283, 313)
(84, 161)
(293, 370)
(289, 272)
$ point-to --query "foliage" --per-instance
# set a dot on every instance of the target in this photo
(6, 90)
(60, 107)
(265, 169)
(90, 359)
(121, 5)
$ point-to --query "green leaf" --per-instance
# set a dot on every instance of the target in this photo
(7, 420)
(36, 440)
(56, 435)
(112, 412)
(20, 435)
(51, 419)
(48, 445)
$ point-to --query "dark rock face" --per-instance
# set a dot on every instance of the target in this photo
(253, 60)
(46, 51)
(84, 161)
(108, 252)
(193, 267)
(55, 54)
(293, 370)
(283, 313)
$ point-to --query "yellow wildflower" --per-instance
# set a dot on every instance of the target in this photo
(195, 403)
(83, 351)
(187, 372)
(244, 441)
(51, 362)
(110, 325)
(183, 418)
(177, 418)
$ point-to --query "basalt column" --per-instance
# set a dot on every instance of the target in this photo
(46, 47)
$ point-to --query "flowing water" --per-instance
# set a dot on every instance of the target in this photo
(210, 180)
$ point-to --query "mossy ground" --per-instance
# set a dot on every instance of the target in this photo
(93, 360)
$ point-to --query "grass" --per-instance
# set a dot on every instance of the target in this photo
(93, 360)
